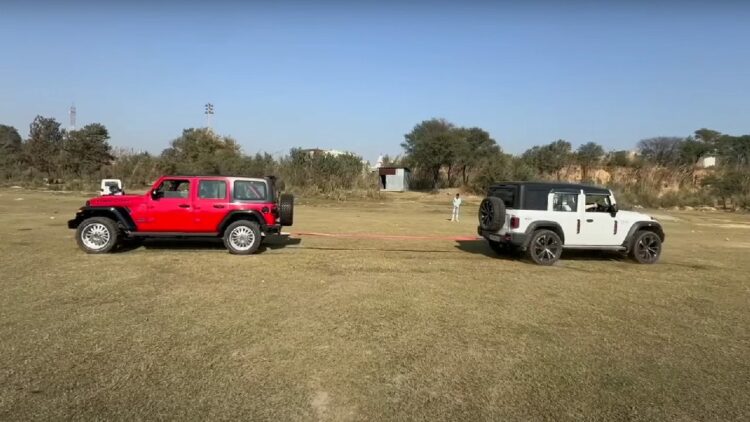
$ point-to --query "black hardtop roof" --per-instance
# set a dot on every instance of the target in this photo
(555, 186)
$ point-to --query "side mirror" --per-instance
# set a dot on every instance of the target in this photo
(155, 195)
(613, 209)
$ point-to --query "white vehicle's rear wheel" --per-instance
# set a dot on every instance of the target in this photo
(545, 247)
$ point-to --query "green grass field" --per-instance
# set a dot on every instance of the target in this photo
(369, 329)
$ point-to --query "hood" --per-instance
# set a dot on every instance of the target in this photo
(632, 216)
(116, 200)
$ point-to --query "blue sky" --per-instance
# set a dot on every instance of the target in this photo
(358, 76)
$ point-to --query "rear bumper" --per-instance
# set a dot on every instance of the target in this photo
(515, 239)
(271, 229)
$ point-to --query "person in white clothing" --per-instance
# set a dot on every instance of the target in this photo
(456, 207)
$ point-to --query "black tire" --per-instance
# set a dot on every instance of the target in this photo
(97, 235)
(646, 247)
(545, 247)
(492, 214)
(242, 237)
(286, 209)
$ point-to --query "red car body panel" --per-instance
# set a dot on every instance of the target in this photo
(192, 213)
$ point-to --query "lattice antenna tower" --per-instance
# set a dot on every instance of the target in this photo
(72, 115)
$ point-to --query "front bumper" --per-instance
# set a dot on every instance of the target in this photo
(73, 224)
(515, 239)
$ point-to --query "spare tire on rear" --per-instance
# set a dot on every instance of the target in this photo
(286, 209)
(491, 214)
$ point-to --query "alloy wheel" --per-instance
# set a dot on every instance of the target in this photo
(95, 236)
(546, 248)
(242, 238)
(648, 248)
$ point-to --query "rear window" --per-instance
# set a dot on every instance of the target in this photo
(507, 194)
(250, 190)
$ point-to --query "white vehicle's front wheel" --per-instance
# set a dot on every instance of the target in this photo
(97, 235)
(242, 237)
(646, 247)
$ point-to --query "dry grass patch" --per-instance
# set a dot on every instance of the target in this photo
(366, 329)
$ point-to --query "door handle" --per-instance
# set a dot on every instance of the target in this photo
(589, 220)
(218, 206)
(184, 206)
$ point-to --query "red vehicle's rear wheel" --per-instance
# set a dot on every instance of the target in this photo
(242, 237)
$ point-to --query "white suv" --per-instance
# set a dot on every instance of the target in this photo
(542, 219)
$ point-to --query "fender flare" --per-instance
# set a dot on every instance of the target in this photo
(120, 214)
(654, 226)
(544, 224)
(253, 215)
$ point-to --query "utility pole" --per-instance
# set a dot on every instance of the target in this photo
(209, 112)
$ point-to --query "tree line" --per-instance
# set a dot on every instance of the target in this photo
(77, 159)
(440, 154)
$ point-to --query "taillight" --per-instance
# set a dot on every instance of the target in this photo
(515, 222)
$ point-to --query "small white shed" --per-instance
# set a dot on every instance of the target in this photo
(394, 179)
(707, 161)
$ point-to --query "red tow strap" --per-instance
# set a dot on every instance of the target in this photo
(382, 236)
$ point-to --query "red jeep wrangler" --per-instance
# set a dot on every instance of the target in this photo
(240, 210)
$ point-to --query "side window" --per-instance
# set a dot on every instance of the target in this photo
(597, 203)
(565, 202)
(250, 190)
(507, 194)
(175, 189)
(212, 189)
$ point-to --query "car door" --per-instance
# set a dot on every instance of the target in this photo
(210, 204)
(564, 207)
(169, 208)
(599, 225)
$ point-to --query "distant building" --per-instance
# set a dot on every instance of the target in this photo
(332, 152)
(707, 161)
(394, 179)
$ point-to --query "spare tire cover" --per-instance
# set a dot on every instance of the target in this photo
(492, 213)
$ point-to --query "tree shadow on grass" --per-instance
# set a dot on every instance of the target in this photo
(480, 246)
(203, 243)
